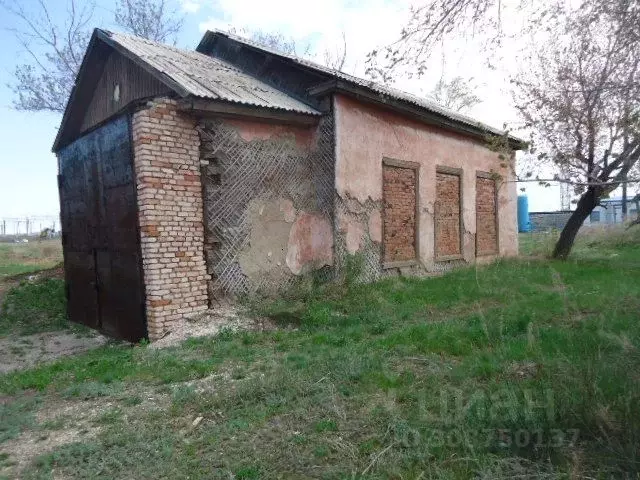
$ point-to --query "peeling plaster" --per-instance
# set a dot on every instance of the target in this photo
(310, 244)
(355, 232)
(367, 134)
(289, 211)
(305, 138)
(271, 174)
(375, 226)
(265, 254)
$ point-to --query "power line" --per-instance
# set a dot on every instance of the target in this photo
(29, 224)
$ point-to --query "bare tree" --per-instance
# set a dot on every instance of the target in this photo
(332, 58)
(55, 53)
(336, 58)
(580, 96)
(56, 50)
(456, 94)
(579, 92)
(436, 21)
(151, 19)
(273, 40)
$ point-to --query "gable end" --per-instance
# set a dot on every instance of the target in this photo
(121, 83)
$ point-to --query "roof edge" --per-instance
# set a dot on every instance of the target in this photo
(74, 91)
(338, 84)
(100, 35)
(225, 108)
(479, 131)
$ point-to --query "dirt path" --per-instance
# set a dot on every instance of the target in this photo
(20, 352)
(24, 351)
(61, 421)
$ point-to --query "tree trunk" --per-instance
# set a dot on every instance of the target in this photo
(624, 200)
(586, 204)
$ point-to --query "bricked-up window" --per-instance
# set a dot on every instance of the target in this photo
(447, 214)
(399, 187)
(486, 216)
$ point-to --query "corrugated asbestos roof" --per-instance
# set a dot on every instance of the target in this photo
(390, 92)
(206, 77)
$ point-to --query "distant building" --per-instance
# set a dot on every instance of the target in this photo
(609, 211)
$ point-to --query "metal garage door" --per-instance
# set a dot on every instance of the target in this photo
(100, 232)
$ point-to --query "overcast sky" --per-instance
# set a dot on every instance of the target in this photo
(28, 168)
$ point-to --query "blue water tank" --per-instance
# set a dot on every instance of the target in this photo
(524, 224)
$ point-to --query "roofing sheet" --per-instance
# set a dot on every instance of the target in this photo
(206, 77)
(384, 90)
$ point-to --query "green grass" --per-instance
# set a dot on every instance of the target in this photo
(592, 243)
(19, 258)
(33, 307)
(525, 368)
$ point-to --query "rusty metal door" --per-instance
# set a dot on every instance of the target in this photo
(100, 232)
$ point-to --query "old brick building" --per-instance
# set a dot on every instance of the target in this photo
(186, 176)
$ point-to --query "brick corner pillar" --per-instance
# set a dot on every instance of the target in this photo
(166, 149)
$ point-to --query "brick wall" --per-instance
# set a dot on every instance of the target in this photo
(167, 165)
(399, 196)
(486, 221)
(447, 215)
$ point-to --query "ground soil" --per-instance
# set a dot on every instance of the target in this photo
(19, 352)
(69, 420)
(24, 351)
(210, 323)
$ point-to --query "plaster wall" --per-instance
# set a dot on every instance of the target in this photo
(366, 134)
(268, 192)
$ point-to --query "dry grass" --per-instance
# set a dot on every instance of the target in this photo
(520, 369)
(17, 258)
(593, 242)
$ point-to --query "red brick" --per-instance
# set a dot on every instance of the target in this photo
(166, 155)
(399, 216)
(486, 221)
(447, 215)
(150, 230)
(159, 303)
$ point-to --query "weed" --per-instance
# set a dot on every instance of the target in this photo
(132, 401)
(91, 389)
(34, 307)
(183, 395)
(523, 368)
(53, 424)
(110, 417)
(326, 426)
(15, 416)
(29, 257)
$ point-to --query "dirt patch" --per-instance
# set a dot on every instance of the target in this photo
(63, 421)
(34, 443)
(211, 323)
(523, 370)
(20, 352)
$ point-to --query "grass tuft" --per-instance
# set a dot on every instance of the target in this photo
(34, 307)
(525, 368)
